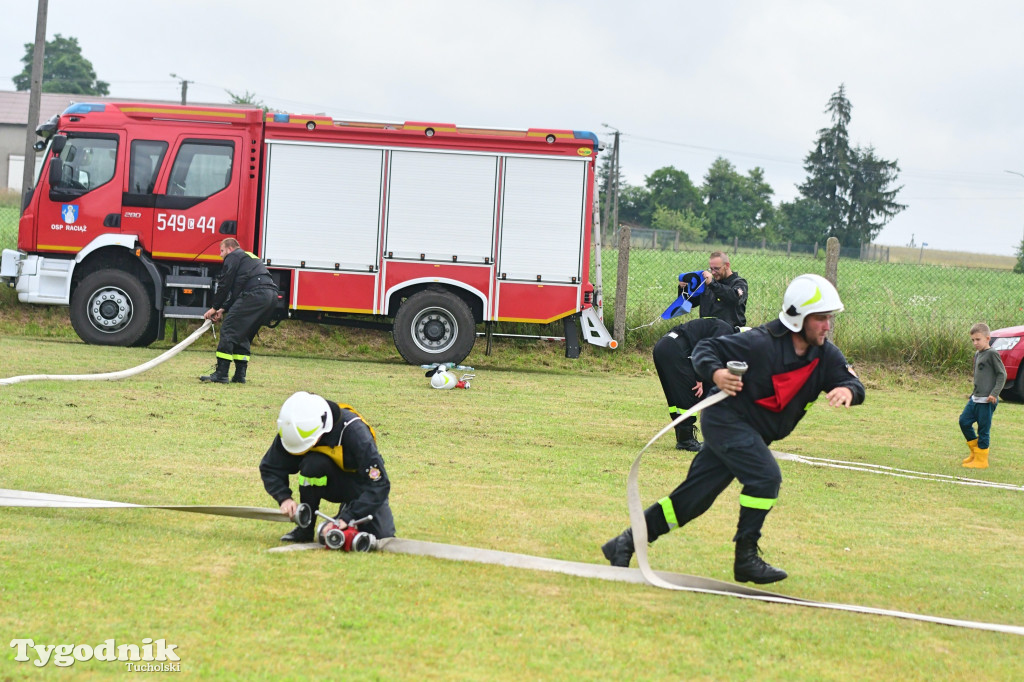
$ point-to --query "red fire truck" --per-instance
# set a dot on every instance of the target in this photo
(435, 227)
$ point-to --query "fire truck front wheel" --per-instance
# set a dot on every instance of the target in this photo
(434, 326)
(111, 308)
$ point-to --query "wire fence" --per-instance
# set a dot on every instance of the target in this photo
(902, 312)
(8, 227)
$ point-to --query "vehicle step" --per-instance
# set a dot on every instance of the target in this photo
(183, 312)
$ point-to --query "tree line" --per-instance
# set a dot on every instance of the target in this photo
(850, 193)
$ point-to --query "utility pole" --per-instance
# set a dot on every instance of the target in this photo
(612, 190)
(1021, 175)
(35, 94)
(611, 195)
(615, 164)
(184, 87)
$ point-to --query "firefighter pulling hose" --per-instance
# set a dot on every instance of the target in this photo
(790, 363)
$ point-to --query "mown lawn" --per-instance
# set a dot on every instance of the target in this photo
(531, 460)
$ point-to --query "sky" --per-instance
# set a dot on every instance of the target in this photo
(935, 85)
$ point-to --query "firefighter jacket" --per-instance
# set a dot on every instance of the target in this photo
(779, 385)
(242, 271)
(352, 445)
(689, 334)
(726, 300)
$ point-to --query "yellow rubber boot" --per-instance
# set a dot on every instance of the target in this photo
(980, 460)
(973, 445)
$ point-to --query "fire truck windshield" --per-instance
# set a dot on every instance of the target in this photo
(86, 163)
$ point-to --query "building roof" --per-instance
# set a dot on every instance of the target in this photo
(14, 105)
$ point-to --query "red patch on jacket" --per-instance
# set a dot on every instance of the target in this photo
(787, 385)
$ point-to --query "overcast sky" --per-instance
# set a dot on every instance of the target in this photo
(935, 85)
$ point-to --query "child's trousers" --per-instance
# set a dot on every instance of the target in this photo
(980, 414)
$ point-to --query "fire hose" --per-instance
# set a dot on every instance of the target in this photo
(114, 376)
(869, 468)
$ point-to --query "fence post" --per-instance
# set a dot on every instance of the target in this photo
(815, 249)
(832, 260)
(831, 269)
(621, 282)
(789, 245)
(764, 243)
(735, 244)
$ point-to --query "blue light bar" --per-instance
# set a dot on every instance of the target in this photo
(585, 135)
(84, 108)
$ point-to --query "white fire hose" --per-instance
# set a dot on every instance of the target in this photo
(114, 376)
(675, 581)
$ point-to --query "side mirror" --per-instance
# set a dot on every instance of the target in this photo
(57, 146)
(56, 171)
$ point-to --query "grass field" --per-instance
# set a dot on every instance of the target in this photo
(531, 460)
(905, 254)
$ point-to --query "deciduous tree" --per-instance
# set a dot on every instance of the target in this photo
(64, 69)
(735, 206)
(687, 224)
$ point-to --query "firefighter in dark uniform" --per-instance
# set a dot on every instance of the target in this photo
(334, 452)
(790, 363)
(245, 299)
(725, 292)
(675, 369)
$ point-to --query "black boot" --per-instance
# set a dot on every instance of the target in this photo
(619, 550)
(751, 568)
(686, 436)
(240, 367)
(220, 375)
(299, 534)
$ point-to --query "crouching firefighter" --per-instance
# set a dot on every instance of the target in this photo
(675, 370)
(334, 452)
(791, 361)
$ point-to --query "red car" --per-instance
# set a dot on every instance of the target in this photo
(1007, 342)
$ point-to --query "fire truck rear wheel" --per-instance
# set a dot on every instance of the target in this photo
(434, 326)
(111, 308)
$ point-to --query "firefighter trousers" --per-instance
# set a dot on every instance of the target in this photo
(730, 451)
(675, 370)
(244, 318)
(321, 479)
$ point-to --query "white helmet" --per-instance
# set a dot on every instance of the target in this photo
(304, 418)
(806, 295)
(442, 378)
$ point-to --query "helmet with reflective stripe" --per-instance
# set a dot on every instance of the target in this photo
(443, 379)
(303, 419)
(807, 295)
